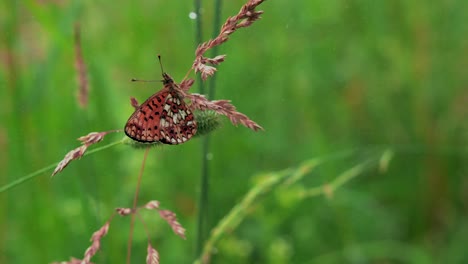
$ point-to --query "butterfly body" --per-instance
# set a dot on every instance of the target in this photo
(163, 117)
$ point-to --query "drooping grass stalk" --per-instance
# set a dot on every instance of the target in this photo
(135, 199)
(269, 184)
(329, 188)
(49, 167)
(208, 121)
(239, 211)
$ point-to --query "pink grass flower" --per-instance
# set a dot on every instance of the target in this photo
(88, 140)
(153, 255)
(171, 219)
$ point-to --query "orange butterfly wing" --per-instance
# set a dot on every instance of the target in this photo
(163, 117)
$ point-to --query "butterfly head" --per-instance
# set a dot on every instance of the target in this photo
(167, 78)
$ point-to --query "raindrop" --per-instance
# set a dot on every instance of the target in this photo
(192, 15)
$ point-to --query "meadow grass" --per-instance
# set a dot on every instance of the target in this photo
(322, 77)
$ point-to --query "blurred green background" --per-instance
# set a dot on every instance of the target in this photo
(321, 76)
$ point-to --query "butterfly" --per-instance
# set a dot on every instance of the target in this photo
(163, 117)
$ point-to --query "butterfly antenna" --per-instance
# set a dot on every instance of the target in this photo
(138, 80)
(160, 64)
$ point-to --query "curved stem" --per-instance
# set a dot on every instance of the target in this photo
(32, 175)
(135, 199)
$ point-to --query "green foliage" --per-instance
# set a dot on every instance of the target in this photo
(335, 81)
